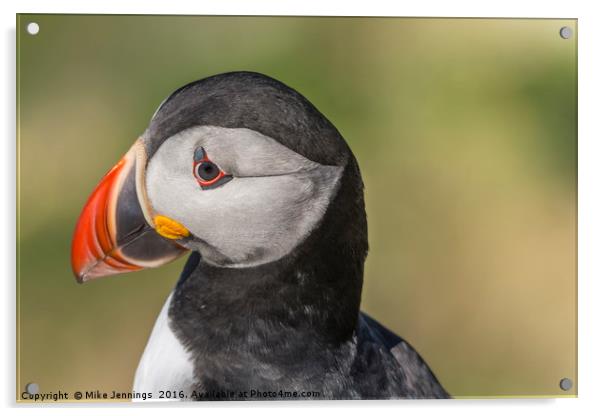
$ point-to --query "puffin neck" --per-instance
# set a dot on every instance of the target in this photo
(313, 293)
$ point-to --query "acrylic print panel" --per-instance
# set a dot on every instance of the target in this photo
(464, 132)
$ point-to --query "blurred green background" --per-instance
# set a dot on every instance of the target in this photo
(466, 135)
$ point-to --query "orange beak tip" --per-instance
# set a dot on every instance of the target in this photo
(93, 251)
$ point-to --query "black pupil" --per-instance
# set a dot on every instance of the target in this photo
(207, 171)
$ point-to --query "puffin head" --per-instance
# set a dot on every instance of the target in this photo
(237, 167)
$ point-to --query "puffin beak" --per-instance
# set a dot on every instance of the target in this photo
(113, 233)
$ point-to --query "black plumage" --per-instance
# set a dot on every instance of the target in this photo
(293, 324)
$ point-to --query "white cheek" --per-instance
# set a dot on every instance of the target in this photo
(262, 217)
(249, 220)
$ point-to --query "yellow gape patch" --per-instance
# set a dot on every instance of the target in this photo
(169, 228)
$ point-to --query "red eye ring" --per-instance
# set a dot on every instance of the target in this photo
(207, 173)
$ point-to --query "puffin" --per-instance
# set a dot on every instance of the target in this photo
(247, 177)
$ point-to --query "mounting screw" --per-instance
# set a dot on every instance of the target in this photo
(566, 32)
(33, 28)
(566, 384)
(32, 388)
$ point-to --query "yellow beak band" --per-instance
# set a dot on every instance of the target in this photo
(169, 228)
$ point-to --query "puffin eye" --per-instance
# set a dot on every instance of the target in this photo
(207, 173)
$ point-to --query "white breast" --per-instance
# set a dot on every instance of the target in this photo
(166, 366)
